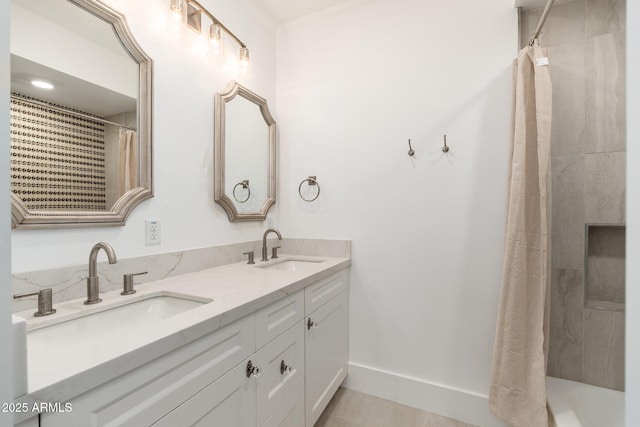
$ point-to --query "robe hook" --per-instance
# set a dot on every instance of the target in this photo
(411, 152)
(445, 148)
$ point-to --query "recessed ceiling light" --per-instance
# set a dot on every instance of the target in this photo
(42, 84)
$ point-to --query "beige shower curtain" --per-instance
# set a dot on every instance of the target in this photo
(517, 392)
(128, 173)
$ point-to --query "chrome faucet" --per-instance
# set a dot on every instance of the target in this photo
(264, 242)
(93, 281)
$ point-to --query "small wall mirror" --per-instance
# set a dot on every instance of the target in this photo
(81, 115)
(245, 154)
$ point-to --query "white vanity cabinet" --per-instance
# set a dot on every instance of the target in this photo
(274, 397)
(267, 389)
(297, 367)
(143, 396)
(326, 342)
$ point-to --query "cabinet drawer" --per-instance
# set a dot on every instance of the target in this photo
(146, 394)
(319, 293)
(281, 382)
(278, 317)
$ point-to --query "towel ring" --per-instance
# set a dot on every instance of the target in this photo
(312, 181)
(245, 184)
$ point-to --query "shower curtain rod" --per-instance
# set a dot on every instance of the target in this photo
(69, 111)
(543, 18)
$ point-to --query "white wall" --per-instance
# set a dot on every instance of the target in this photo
(6, 392)
(353, 85)
(632, 366)
(184, 87)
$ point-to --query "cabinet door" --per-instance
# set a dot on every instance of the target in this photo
(281, 382)
(327, 354)
(227, 402)
(31, 422)
(289, 415)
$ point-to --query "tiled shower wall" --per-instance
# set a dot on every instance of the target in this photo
(57, 158)
(586, 47)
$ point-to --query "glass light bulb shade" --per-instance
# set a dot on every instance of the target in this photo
(215, 33)
(176, 6)
(174, 24)
(216, 46)
(244, 56)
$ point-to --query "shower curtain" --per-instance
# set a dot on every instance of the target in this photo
(517, 391)
(128, 161)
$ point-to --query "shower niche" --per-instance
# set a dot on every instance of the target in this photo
(605, 266)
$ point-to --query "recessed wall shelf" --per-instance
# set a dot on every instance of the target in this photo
(605, 266)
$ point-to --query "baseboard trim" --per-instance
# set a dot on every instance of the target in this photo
(461, 405)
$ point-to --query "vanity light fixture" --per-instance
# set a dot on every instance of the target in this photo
(194, 21)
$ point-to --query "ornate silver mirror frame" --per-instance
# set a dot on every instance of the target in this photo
(22, 217)
(227, 200)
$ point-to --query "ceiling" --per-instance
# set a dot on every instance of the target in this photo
(70, 91)
(287, 10)
(530, 4)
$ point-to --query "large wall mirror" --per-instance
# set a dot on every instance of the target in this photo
(81, 112)
(245, 154)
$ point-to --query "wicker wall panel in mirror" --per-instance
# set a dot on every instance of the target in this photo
(81, 115)
(245, 154)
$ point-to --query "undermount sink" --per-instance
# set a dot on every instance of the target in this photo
(292, 264)
(116, 318)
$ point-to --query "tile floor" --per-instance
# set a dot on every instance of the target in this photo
(350, 408)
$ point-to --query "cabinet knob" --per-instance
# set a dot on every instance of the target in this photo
(252, 370)
(311, 324)
(284, 368)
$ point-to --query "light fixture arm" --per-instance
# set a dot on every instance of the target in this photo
(214, 20)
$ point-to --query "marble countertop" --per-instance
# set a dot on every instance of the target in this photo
(236, 290)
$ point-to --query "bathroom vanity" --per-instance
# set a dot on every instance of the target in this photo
(238, 345)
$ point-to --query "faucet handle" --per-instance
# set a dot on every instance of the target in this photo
(274, 252)
(128, 283)
(45, 301)
(250, 254)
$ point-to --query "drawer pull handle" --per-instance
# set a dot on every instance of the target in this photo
(284, 368)
(311, 324)
(252, 370)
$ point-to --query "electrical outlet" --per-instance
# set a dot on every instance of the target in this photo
(152, 232)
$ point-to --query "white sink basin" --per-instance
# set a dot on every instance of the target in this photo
(292, 265)
(114, 319)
